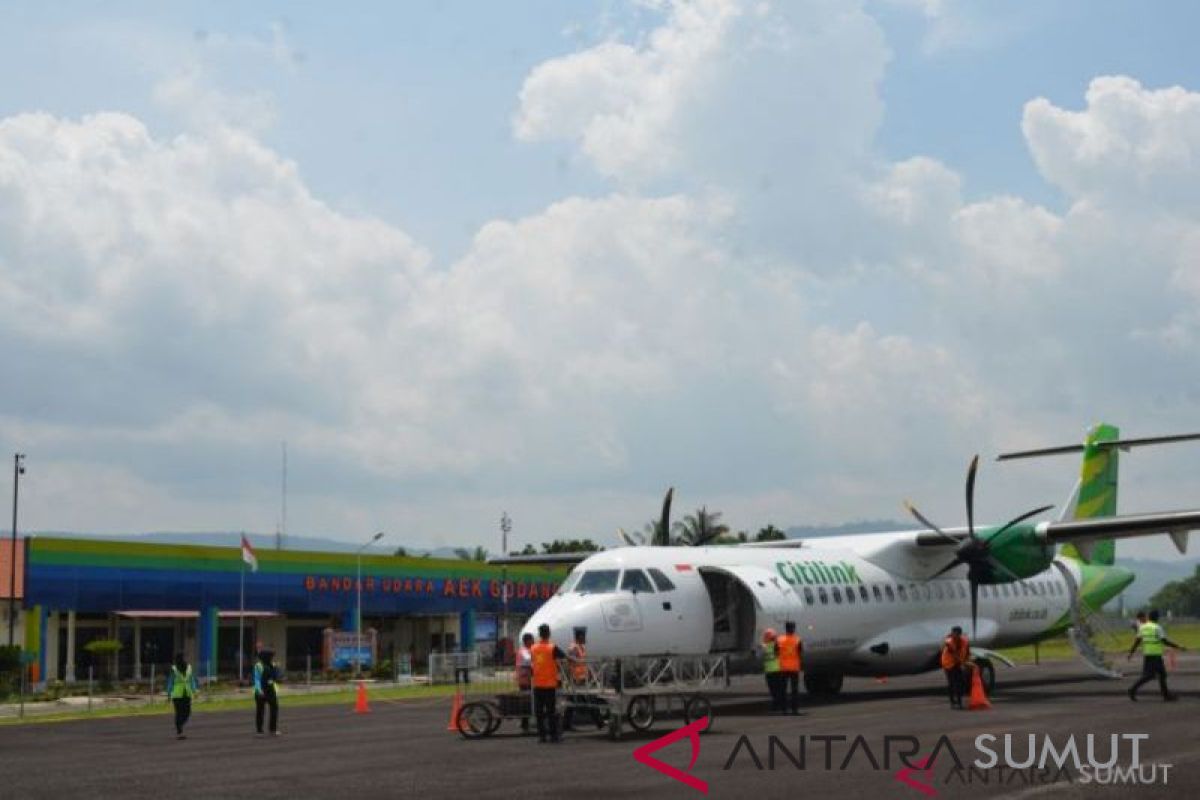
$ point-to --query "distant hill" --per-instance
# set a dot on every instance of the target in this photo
(848, 528)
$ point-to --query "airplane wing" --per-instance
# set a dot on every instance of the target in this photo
(1175, 523)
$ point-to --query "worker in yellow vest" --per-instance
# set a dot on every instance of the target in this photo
(1152, 638)
(771, 671)
(789, 647)
(546, 655)
(181, 688)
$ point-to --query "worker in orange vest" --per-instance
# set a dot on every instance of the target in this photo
(525, 672)
(577, 659)
(956, 654)
(788, 648)
(545, 656)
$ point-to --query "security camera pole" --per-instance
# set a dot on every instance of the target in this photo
(18, 471)
(505, 527)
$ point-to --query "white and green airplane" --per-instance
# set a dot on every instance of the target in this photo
(873, 604)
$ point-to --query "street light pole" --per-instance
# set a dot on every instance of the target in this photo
(505, 527)
(358, 605)
(18, 471)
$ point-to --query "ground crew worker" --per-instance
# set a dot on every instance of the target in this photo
(266, 675)
(181, 688)
(545, 657)
(788, 646)
(771, 671)
(1152, 638)
(525, 672)
(577, 658)
(956, 654)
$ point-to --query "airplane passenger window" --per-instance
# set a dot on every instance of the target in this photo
(878, 594)
(822, 594)
(1004, 587)
(837, 594)
(914, 593)
(962, 591)
(808, 596)
(937, 591)
(862, 591)
(635, 580)
(891, 595)
(598, 580)
(850, 595)
(661, 581)
(902, 594)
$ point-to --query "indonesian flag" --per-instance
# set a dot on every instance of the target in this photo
(248, 554)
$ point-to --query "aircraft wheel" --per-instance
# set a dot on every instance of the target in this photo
(823, 684)
(640, 713)
(987, 673)
(698, 707)
(475, 720)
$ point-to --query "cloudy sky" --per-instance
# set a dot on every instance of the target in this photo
(799, 260)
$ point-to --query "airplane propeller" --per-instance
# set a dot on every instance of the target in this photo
(975, 551)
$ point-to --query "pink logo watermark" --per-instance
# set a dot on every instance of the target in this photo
(924, 767)
(691, 732)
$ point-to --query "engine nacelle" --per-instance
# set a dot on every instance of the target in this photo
(1020, 549)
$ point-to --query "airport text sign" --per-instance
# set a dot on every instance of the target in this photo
(433, 587)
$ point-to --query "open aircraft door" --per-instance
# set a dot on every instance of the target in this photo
(745, 601)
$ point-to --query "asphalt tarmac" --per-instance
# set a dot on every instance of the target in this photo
(403, 749)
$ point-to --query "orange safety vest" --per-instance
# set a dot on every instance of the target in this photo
(545, 671)
(579, 671)
(950, 658)
(788, 647)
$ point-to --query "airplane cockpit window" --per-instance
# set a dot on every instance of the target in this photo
(598, 580)
(661, 581)
(635, 580)
(570, 582)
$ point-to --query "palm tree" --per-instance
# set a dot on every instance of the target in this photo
(700, 528)
(770, 534)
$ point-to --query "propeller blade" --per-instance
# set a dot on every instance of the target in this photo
(957, 560)
(971, 470)
(921, 518)
(663, 536)
(1021, 518)
(974, 606)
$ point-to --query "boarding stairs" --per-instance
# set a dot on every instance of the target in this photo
(1082, 633)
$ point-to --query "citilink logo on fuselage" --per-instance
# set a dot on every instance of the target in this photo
(817, 573)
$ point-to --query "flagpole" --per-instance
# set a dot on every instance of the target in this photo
(241, 621)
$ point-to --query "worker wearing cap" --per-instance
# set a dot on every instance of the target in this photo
(789, 647)
(956, 652)
(545, 657)
(771, 671)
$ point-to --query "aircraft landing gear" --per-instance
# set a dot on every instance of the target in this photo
(987, 674)
(823, 684)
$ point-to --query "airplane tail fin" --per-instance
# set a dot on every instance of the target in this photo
(1096, 492)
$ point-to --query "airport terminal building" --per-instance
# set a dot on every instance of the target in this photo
(158, 599)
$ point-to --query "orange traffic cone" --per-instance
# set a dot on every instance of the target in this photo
(454, 709)
(360, 703)
(881, 679)
(978, 700)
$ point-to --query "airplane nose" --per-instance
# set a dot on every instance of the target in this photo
(564, 615)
